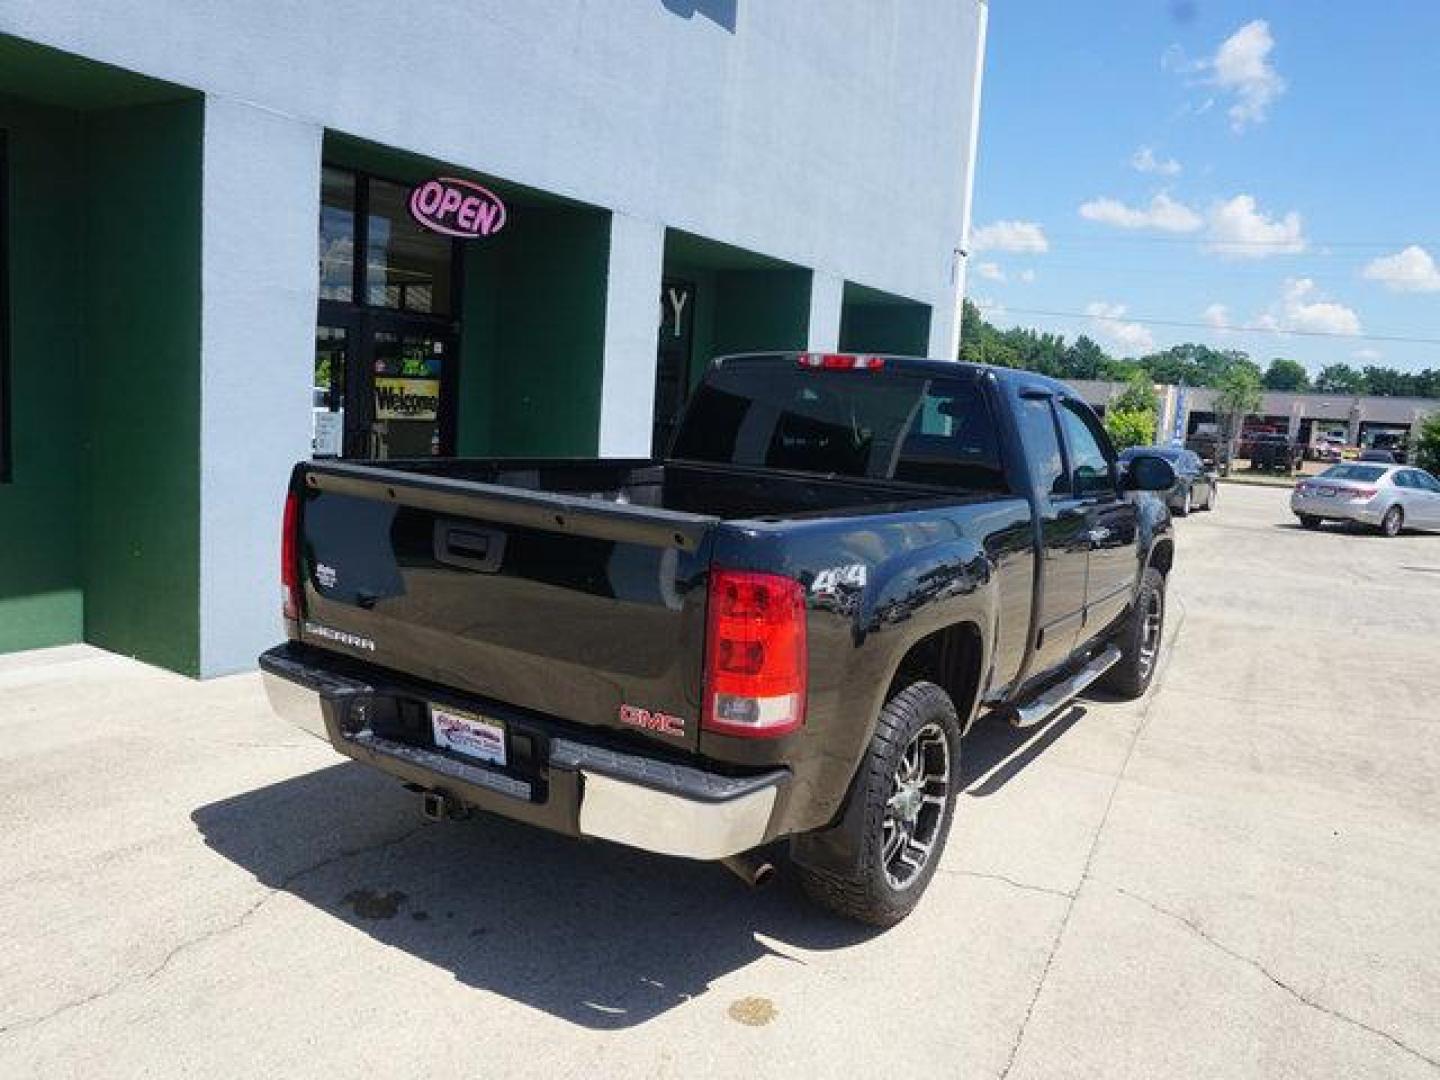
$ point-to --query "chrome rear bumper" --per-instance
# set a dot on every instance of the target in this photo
(587, 790)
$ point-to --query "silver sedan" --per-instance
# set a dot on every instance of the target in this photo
(1386, 497)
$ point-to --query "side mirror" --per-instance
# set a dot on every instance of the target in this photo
(1148, 472)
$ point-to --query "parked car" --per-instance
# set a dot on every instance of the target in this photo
(1196, 487)
(779, 632)
(1327, 448)
(1275, 453)
(1387, 497)
(1384, 457)
(1213, 450)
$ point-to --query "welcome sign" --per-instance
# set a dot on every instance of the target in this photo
(457, 208)
(407, 399)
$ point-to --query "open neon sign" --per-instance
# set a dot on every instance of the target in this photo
(457, 208)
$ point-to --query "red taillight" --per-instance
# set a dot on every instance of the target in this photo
(755, 656)
(290, 557)
(841, 361)
(1362, 494)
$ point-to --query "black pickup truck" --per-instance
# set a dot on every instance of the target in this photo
(780, 631)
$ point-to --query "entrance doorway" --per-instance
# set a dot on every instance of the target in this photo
(384, 387)
(387, 336)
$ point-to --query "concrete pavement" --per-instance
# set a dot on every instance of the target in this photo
(1237, 876)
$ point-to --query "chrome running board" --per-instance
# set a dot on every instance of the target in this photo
(1048, 703)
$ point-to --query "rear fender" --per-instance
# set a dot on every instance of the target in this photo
(916, 596)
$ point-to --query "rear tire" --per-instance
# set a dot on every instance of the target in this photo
(907, 786)
(1309, 521)
(1139, 640)
(1210, 497)
(1392, 522)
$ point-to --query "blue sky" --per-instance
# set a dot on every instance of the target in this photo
(1247, 167)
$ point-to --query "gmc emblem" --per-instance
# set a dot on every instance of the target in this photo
(662, 723)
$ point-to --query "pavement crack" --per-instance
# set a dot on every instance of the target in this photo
(209, 935)
(1199, 931)
(1027, 886)
(1156, 686)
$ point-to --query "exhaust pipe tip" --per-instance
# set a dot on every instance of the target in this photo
(432, 806)
(754, 871)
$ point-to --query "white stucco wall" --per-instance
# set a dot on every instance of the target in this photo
(835, 134)
(627, 387)
(261, 173)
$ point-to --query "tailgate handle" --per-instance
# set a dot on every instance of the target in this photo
(467, 546)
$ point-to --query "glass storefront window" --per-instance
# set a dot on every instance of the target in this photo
(337, 235)
(327, 417)
(408, 268)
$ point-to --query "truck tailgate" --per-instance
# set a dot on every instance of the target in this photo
(568, 605)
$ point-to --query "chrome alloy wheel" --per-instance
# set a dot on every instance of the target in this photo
(915, 806)
(1152, 623)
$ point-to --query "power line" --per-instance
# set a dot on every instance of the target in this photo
(1206, 326)
(1297, 246)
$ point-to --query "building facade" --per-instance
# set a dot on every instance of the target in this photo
(235, 235)
(1302, 415)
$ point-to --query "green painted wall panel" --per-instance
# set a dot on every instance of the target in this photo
(549, 358)
(142, 374)
(41, 598)
(897, 329)
(761, 310)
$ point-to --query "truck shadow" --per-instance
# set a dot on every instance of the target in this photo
(994, 753)
(600, 935)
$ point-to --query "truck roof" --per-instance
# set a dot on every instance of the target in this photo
(920, 365)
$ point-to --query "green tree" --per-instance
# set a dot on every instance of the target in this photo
(1340, 379)
(1285, 374)
(1240, 395)
(1427, 444)
(1130, 427)
(1138, 396)
(1084, 359)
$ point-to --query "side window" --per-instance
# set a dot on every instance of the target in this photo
(1430, 482)
(1405, 479)
(1089, 467)
(1036, 417)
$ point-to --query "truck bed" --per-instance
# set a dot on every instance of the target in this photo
(725, 493)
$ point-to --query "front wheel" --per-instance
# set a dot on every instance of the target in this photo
(1139, 639)
(1309, 521)
(907, 786)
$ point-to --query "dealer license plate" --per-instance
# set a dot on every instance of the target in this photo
(1325, 492)
(466, 733)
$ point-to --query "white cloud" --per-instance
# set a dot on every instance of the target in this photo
(1217, 316)
(1367, 354)
(1242, 68)
(1302, 307)
(1240, 229)
(1027, 277)
(1110, 324)
(990, 271)
(1145, 161)
(1023, 236)
(1163, 213)
(1411, 270)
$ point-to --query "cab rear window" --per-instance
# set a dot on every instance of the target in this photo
(932, 431)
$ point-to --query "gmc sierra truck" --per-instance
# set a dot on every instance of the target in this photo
(780, 631)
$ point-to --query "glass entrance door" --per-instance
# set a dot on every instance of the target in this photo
(410, 370)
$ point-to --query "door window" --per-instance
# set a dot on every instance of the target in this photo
(337, 235)
(408, 366)
(1090, 470)
(1041, 441)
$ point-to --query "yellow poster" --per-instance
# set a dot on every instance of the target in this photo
(407, 399)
